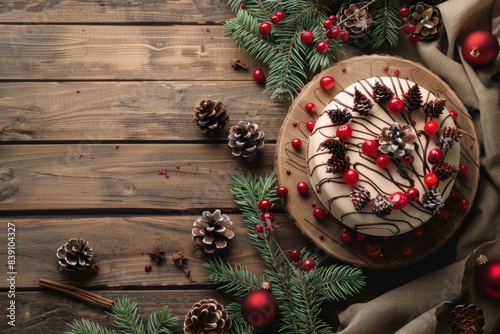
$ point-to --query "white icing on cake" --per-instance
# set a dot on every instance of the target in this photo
(331, 188)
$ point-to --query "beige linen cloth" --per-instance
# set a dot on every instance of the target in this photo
(422, 305)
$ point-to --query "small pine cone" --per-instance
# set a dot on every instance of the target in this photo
(75, 255)
(427, 20)
(337, 165)
(207, 317)
(210, 116)
(447, 136)
(381, 93)
(381, 206)
(212, 231)
(444, 170)
(245, 139)
(339, 116)
(335, 147)
(466, 319)
(362, 104)
(359, 197)
(432, 201)
(413, 98)
(434, 109)
(358, 22)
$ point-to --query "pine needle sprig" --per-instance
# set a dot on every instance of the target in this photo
(84, 326)
(161, 321)
(385, 14)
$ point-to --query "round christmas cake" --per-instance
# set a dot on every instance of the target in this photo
(382, 157)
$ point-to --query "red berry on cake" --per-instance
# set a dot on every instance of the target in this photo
(395, 105)
(453, 114)
(295, 254)
(308, 264)
(435, 155)
(258, 75)
(281, 192)
(412, 194)
(351, 176)
(344, 132)
(383, 161)
(346, 237)
(370, 147)
(265, 28)
(431, 180)
(327, 82)
(310, 107)
(302, 188)
(431, 127)
(310, 125)
(399, 200)
(297, 143)
(307, 37)
(319, 213)
(265, 205)
(267, 216)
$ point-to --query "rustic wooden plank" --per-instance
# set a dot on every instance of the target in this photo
(116, 11)
(121, 245)
(83, 52)
(118, 111)
(93, 176)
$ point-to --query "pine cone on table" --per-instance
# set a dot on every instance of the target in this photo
(207, 317)
(245, 139)
(75, 255)
(466, 319)
(210, 116)
(362, 104)
(339, 116)
(358, 23)
(212, 231)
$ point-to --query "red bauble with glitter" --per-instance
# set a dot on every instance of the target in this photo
(480, 48)
(488, 277)
(259, 308)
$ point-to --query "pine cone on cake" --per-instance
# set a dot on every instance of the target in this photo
(381, 206)
(466, 319)
(358, 22)
(434, 109)
(207, 317)
(75, 255)
(413, 98)
(444, 170)
(339, 116)
(396, 141)
(245, 139)
(210, 116)
(432, 201)
(447, 136)
(360, 196)
(212, 231)
(337, 165)
(362, 104)
(427, 20)
(381, 93)
(335, 146)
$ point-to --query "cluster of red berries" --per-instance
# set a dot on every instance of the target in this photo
(372, 248)
(267, 218)
(306, 264)
(409, 27)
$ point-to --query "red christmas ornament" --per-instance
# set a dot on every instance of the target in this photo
(488, 277)
(327, 82)
(259, 308)
(480, 48)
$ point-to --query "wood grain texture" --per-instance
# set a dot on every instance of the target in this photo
(143, 53)
(115, 11)
(95, 176)
(128, 111)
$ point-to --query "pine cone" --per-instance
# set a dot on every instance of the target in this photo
(337, 165)
(444, 170)
(381, 93)
(358, 23)
(466, 319)
(427, 20)
(207, 317)
(245, 139)
(74, 255)
(362, 104)
(212, 231)
(413, 98)
(359, 197)
(339, 116)
(432, 201)
(434, 109)
(335, 147)
(210, 116)
(396, 141)
(448, 136)
(381, 206)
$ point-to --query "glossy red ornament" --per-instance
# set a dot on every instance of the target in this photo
(383, 161)
(399, 200)
(310, 107)
(395, 105)
(281, 192)
(334, 33)
(327, 82)
(480, 48)
(307, 37)
(373, 250)
(351, 176)
(322, 47)
(488, 278)
(431, 180)
(346, 237)
(302, 188)
(258, 75)
(295, 254)
(297, 143)
(308, 264)
(259, 308)
(267, 216)
(412, 194)
(344, 132)
(265, 28)
(453, 114)
(370, 147)
(435, 155)
(319, 213)
(431, 127)
(310, 125)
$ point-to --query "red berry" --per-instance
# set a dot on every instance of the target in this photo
(406, 250)
(383, 161)
(288, 172)
(267, 216)
(295, 254)
(344, 132)
(360, 236)
(396, 73)
(327, 82)
(386, 68)
(310, 125)
(453, 114)
(322, 47)
(344, 35)
(399, 200)
(431, 180)
(333, 18)
(418, 231)
(444, 214)
(308, 264)
(373, 250)
(404, 11)
(344, 69)
(280, 14)
(295, 124)
(435, 155)
(463, 204)
(307, 37)
(265, 205)
(319, 213)
(370, 147)
(302, 188)
(328, 24)
(407, 160)
(462, 169)
(243, 6)
(351, 176)
(265, 28)
(409, 28)
(281, 192)
(346, 237)
(412, 194)
(258, 75)
(258, 228)
(414, 38)
(395, 105)
(334, 33)
(296, 143)
(310, 107)
(275, 19)
(148, 268)
(431, 127)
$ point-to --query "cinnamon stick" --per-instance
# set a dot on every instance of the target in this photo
(77, 293)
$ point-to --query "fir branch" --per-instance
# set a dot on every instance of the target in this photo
(385, 14)
(125, 316)
(159, 322)
(84, 326)
(338, 282)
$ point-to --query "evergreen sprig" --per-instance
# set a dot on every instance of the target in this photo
(299, 293)
(127, 321)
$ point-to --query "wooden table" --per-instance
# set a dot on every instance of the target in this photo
(96, 100)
